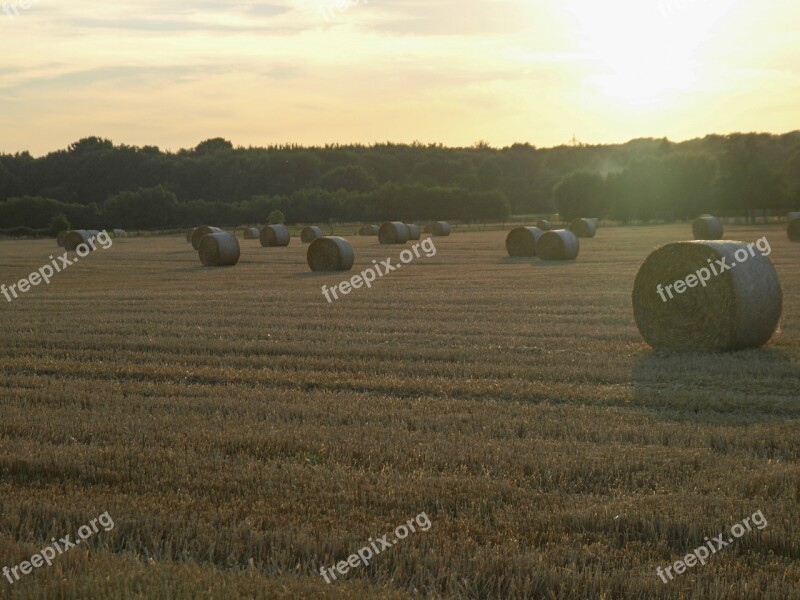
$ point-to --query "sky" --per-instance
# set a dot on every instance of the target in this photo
(173, 73)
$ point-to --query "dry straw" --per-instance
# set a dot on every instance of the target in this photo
(413, 231)
(368, 230)
(311, 233)
(331, 253)
(584, 228)
(199, 232)
(275, 235)
(76, 237)
(544, 224)
(793, 230)
(739, 308)
(438, 228)
(521, 241)
(189, 233)
(558, 244)
(251, 233)
(393, 232)
(219, 249)
(61, 236)
(707, 227)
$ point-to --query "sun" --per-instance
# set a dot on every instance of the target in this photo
(644, 52)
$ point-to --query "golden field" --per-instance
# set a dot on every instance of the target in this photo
(243, 432)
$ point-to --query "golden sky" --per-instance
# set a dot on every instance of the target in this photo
(173, 73)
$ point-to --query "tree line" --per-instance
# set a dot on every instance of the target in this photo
(94, 183)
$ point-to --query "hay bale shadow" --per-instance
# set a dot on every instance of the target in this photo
(755, 385)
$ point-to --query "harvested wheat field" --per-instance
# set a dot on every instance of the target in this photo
(244, 433)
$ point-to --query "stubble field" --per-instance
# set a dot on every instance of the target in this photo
(242, 432)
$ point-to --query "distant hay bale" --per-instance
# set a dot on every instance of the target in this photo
(707, 227)
(199, 232)
(274, 235)
(413, 231)
(558, 244)
(521, 241)
(251, 233)
(438, 228)
(368, 230)
(793, 230)
(330, 253)
(61, 236)
(544, 224)
(584, 228)
(793, 215)
(393, 232)
(189, 233)
(119, 232)
(738, 308)
(311, 233)
(219, 249)
(76, 237)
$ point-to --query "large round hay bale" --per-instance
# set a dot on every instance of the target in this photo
(368, 230)
(393, 232)
(189, 233)
(413, 231)
(583, 228)
(558, 244)
(707, 227)
(61, 236)
(199, 232)
(330, 253)
(76, 237)
(274, 235)
(739, 307)
(438, 228)
(251, 233)
(793, 230)
(311, 233)
(521, 241)
(219, 249)
(544, 224)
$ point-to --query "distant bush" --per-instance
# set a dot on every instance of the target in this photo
(276, 217)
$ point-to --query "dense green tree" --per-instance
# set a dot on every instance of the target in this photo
(580, 194)
(59, 223)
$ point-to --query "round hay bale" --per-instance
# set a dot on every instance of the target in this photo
(793, 230)
(219, 249)
(369, 230)
(311, 233)
(707, 227)
(558, 244)
(330, 253)
(413, 231)
(119, 233)
(521, 241)
(61, 236)
(583, 228)
(735, 309)
(438, 228)
(199, 232)
(544, 224)
(274, 235)
(252, 233)
(189, 233)
(76, 237)
(393, 232)
(793, 215)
